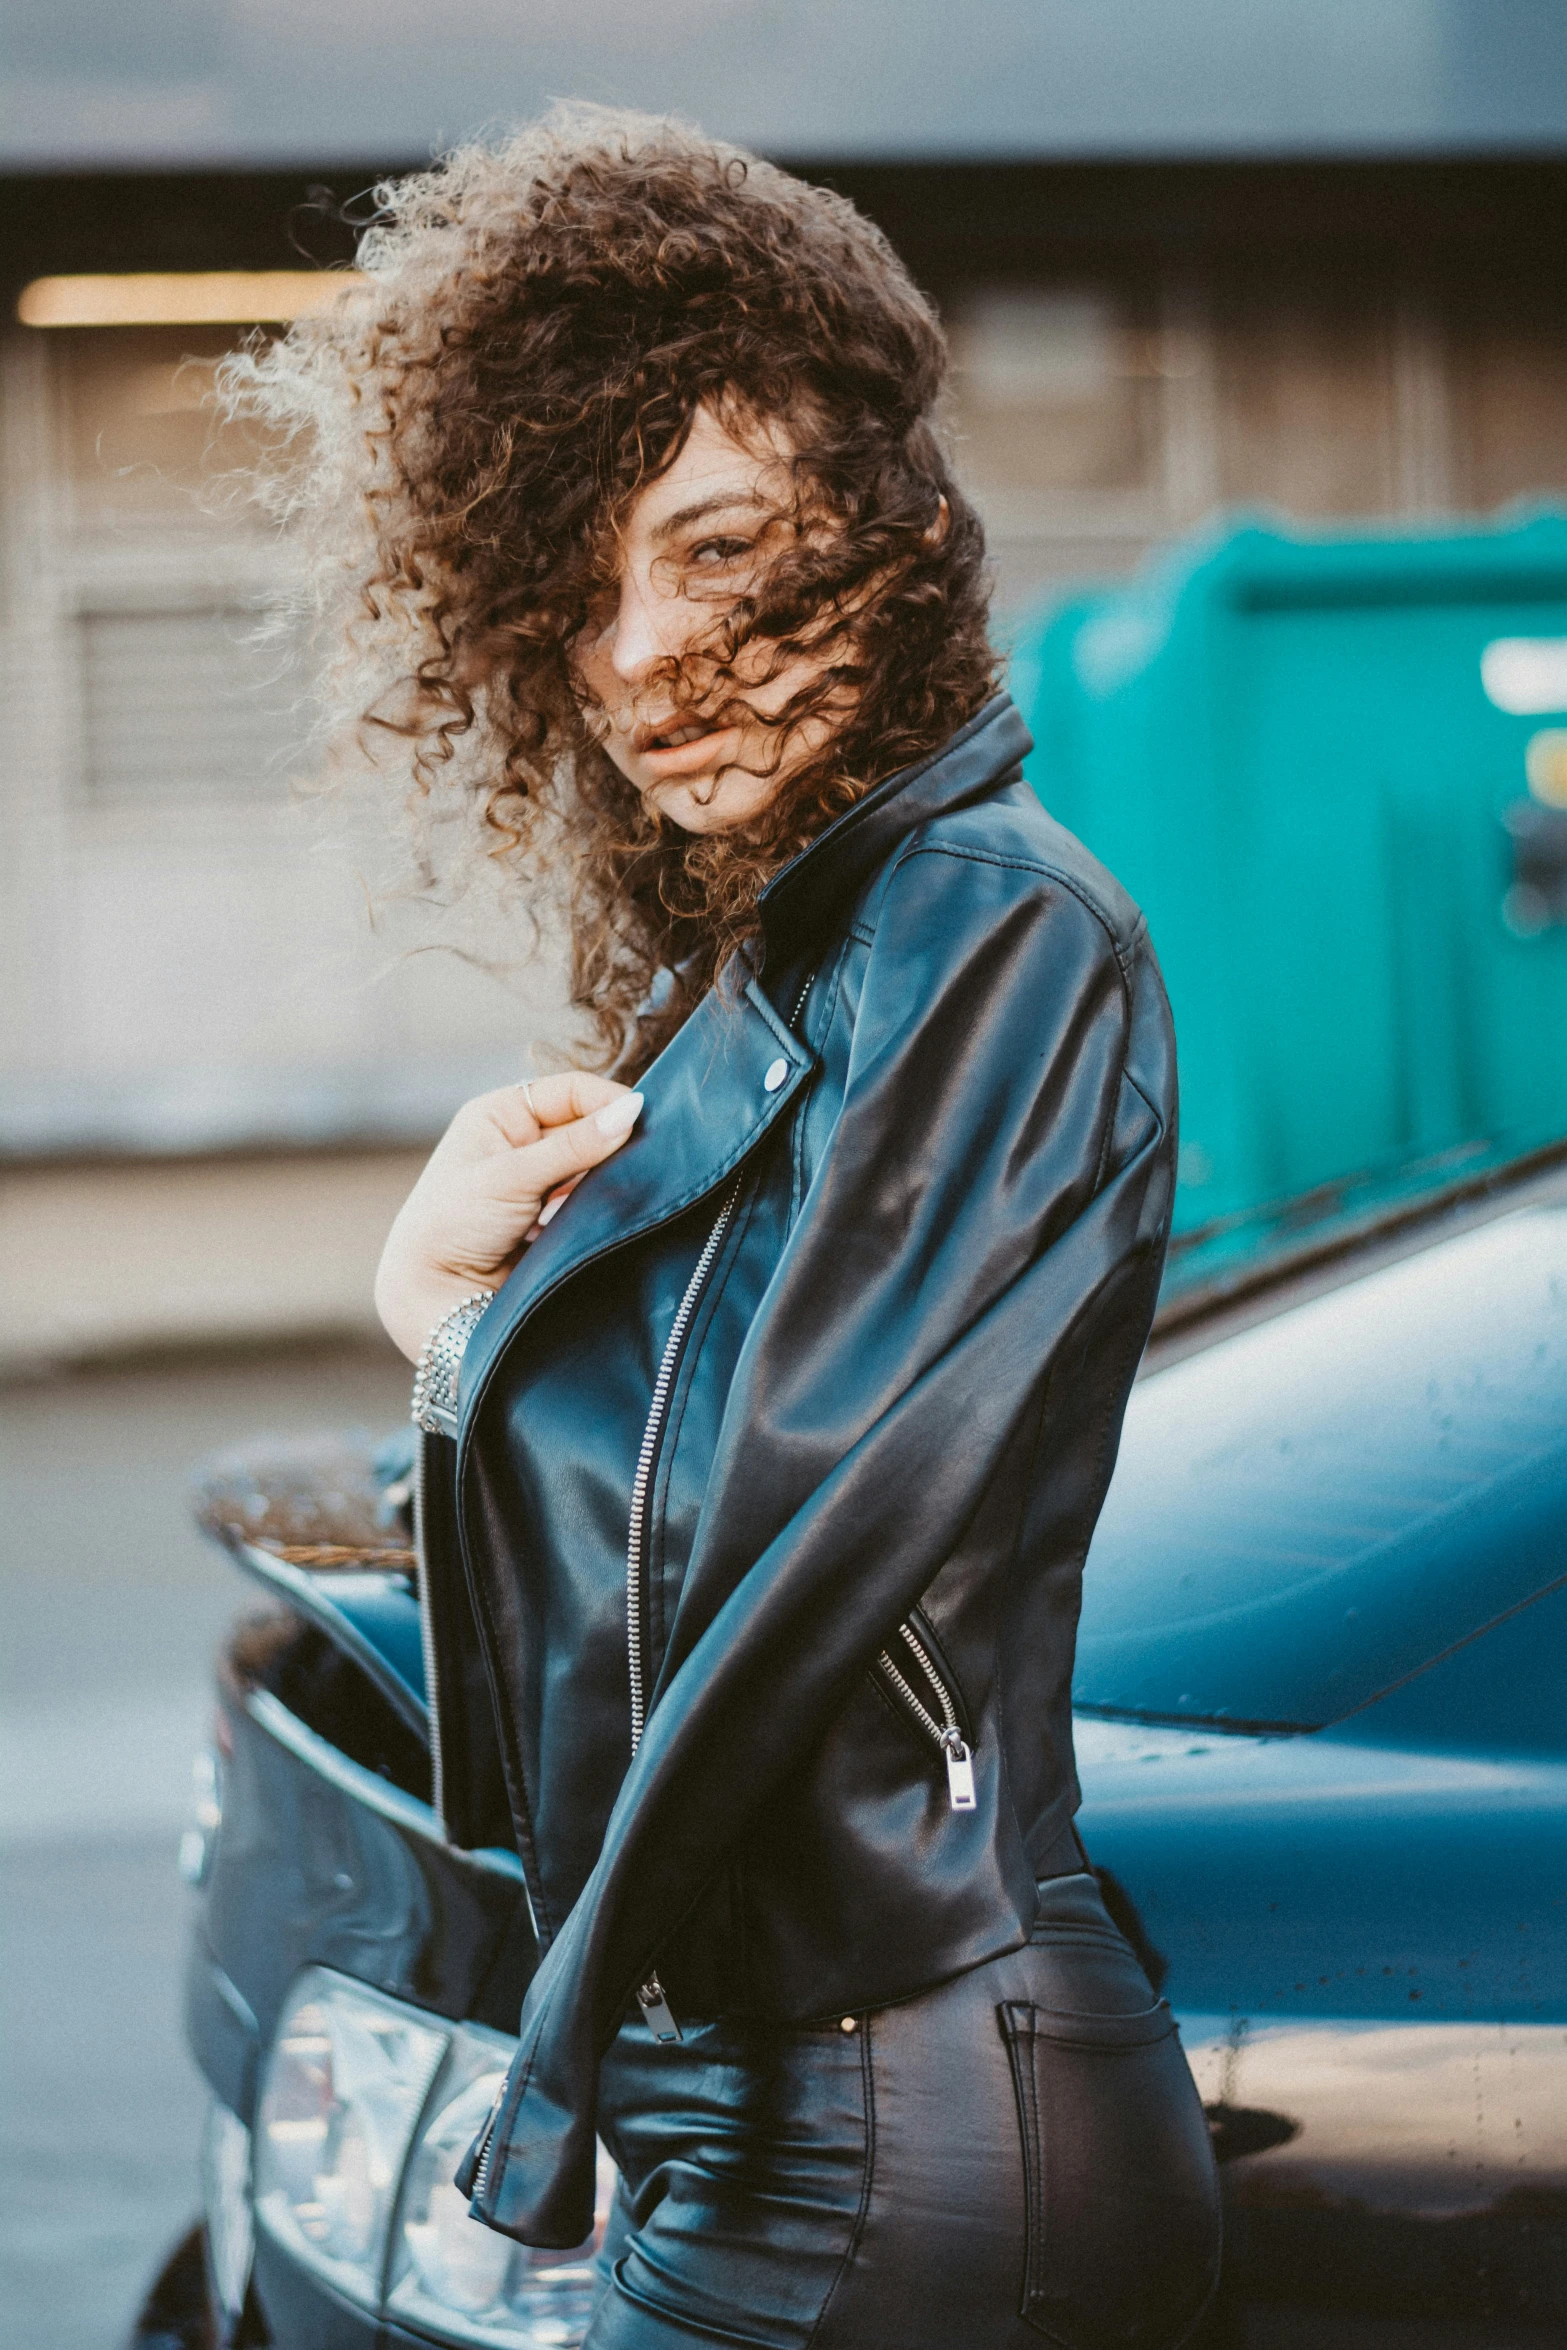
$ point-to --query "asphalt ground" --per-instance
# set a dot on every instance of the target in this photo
(112, 1608)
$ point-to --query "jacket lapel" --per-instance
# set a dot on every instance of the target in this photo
(814, 893)
(708, 1103)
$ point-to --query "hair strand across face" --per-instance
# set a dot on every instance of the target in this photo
(538, 324)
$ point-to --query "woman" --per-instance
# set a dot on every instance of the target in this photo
(757, 1480)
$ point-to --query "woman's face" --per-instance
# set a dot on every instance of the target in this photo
(694, 542)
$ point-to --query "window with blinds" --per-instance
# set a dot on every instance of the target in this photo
(1056, 388)
(187, 704)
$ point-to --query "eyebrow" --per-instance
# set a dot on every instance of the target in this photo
(722, 501)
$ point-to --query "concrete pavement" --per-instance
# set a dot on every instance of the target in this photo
(113, 1606)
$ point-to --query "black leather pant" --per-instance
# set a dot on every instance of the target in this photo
(1018, 2153)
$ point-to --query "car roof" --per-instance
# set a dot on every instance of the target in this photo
(1333, 1480)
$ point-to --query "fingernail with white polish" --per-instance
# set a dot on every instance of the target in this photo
(551, 1209)
(619, 1117)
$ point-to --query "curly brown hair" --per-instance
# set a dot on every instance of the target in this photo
(537, 325)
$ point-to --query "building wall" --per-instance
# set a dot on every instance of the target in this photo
(201, 949)
(92, 83)
(200, 952)
(1101, 411)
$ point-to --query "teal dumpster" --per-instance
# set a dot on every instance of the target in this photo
(1333, 770)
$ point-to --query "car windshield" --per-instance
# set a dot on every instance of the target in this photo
(1210, 1261)
(1310, 1510)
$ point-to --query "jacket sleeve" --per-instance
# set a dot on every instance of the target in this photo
(995, 1166)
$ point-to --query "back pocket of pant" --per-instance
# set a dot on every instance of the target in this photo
(1122, 2196)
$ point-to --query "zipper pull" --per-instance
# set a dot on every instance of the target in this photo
(654, 2003)
(960, 1771)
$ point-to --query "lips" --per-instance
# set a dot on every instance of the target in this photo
(671, 733)
(685, 749)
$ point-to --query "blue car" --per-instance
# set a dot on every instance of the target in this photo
(1322, 1726)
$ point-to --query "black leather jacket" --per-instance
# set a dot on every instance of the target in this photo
(825, 1369)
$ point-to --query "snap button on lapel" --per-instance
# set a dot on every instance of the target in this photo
(777, 1071)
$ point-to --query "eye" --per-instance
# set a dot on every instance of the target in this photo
(719, 550)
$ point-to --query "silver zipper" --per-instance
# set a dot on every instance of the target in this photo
(481, 2177)
(652, 1435)
(432, 1700)
(651, 1996)
(946, 1732)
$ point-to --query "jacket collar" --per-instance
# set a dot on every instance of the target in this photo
(812, 896)
(734, 1068)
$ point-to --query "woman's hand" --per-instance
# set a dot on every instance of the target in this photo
(467, 1219)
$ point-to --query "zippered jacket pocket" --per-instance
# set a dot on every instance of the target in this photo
(908, 1668)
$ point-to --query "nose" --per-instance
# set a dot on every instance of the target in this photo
(635, 638)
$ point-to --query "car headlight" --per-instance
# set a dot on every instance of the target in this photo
(346, 2079)
(452, 2273)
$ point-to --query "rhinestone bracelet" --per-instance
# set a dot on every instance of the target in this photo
(434, 1406)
